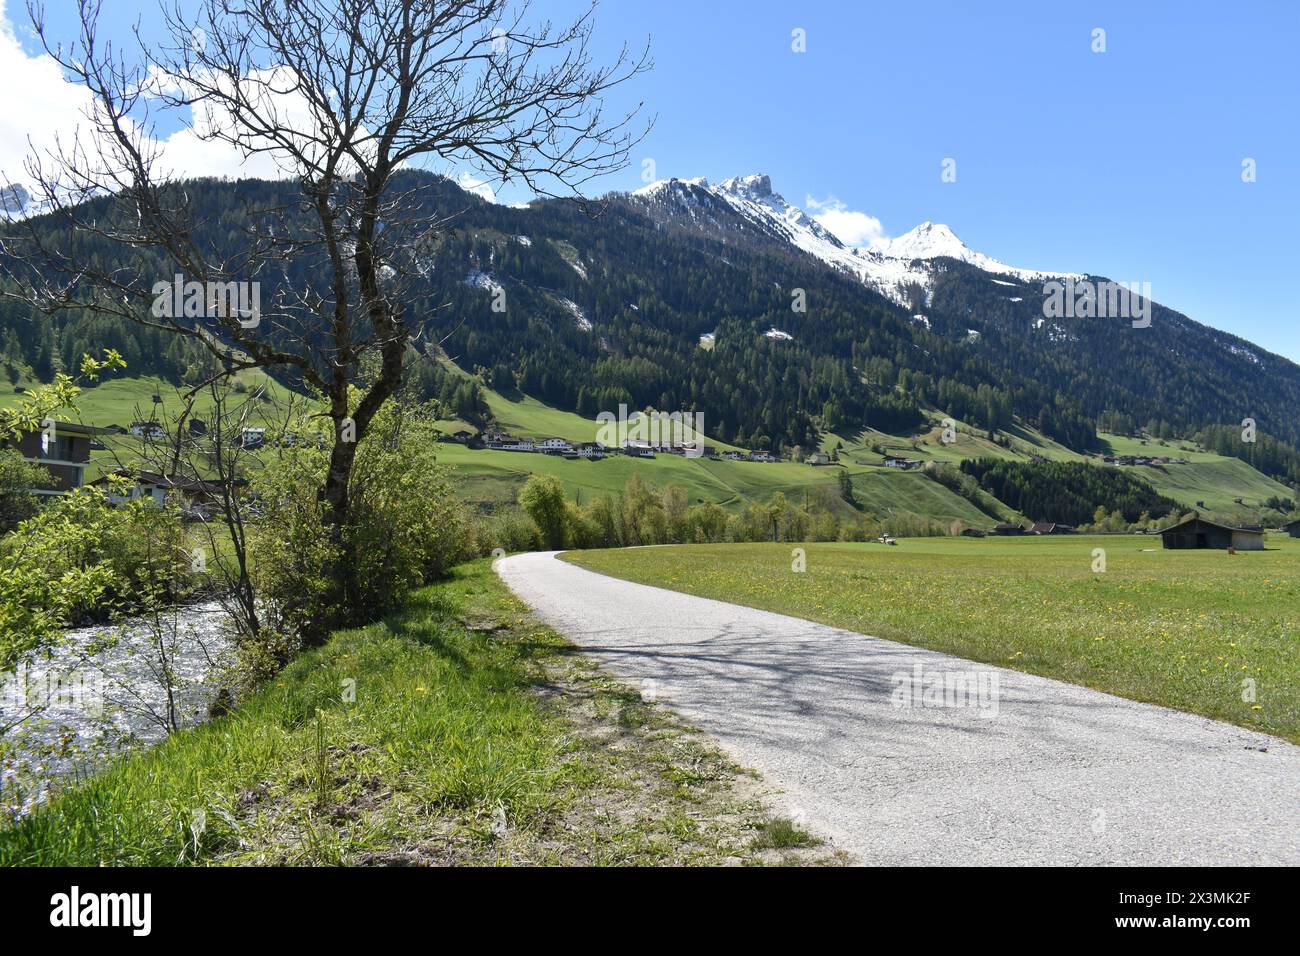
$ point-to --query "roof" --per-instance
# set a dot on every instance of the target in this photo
(1212, 524)
(76, 428)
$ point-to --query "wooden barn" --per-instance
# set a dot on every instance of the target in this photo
(1293, 529)
(1203, 533)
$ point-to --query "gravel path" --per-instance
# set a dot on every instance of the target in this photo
(1015, 770)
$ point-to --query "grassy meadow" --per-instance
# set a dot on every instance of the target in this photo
(494, 477)
(1179, 628)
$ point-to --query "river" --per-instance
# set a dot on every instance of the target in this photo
(102, 692)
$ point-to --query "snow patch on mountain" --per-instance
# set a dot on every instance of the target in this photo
(1245, 353)
(580, 317)
(478, 279)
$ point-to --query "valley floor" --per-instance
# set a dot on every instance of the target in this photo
(1014, 770)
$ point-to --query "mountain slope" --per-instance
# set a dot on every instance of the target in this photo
(686, 295)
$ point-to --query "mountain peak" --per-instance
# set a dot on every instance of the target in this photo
(755, 186)
(929, 240)
(662, 185)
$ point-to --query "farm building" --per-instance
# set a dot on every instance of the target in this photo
(1202, 533)
(1049, 527)
(1293, 529)
(1006, 528)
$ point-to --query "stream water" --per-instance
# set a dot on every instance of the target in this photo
(104, 691)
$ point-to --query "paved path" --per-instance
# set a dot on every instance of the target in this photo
(1040, 772)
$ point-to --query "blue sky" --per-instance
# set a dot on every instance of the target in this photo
(1125, 163)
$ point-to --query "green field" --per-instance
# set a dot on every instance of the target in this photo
(488, 477)
(1218, 482)
(928, 445)
(1178, 628)
(120, 401)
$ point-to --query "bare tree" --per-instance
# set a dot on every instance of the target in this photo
(344, 94)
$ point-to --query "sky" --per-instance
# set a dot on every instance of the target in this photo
(1119, 154)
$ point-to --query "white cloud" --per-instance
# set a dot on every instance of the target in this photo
(472, 184)
(856, 229)
(50, 111)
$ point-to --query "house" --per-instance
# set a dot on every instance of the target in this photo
(591, 451)
(761, 456)
(250, 438)
(554, 446)
(158, 488)
(1293, 529)
(63, 449)
(710, 451)
(733, 456)
(148, 430)
(1197, 532)
(1008, 529)
(500, 441)
(638, 449)
(894, 461)
(818, 458)
(198, 427)
(1048, 527)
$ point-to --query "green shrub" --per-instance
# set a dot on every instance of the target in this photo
(542, 497)
(17, 477)
(80, 559)
(407, 526)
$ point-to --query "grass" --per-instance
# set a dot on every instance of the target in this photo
(1186, 629)
(459, 730)
(493, 477)
(120, 401)
(782, 834)
(1218, 483)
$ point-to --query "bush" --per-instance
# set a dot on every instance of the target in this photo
(80, 559)
(407, 525)
(512, 530)
(542, 497)
(17, 477)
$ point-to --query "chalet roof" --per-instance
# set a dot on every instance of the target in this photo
(76, 428)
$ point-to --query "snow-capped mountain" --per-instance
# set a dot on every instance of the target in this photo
(894, 267)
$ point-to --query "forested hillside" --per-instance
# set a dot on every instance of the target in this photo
(587, 307)
(1067, 491)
